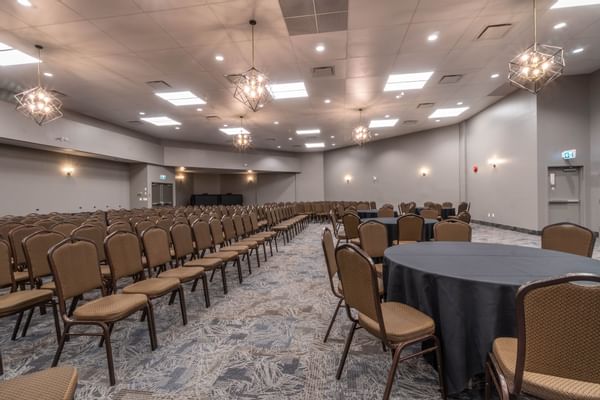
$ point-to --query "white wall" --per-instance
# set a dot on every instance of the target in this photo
(310, 182)
(32, 181)
(206, 183)
(396, 162)
(594, 177)
(275, 188)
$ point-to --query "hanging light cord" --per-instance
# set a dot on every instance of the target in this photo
(38, 65)
(252, 46)
(534, 25)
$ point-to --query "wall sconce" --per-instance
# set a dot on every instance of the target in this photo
(181, 169)
(348, 178)
(374, 179)
(424, 171)
(250, 179)
(180, 177)
(68, 170)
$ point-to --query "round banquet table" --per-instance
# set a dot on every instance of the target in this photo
(371, 213)
(469, 290)
(445, 214)
(392, 230)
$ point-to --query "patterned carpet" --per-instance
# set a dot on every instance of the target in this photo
(263, 340)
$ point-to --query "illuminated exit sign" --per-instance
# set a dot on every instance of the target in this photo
(569, 154)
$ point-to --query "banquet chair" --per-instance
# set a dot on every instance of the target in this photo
(555, 354)
(329, 252)
(118, 226)
(50, 384)
(339, 234)
(410, 229)
(351, 222)
(363, 206)
(397, 325)
(64, 227)
(447, 204)
(464, 216)
(372, 205)
(463, 206)
(387, 205)
(76, 271)
(385, 212)
(452, 230)
(429, 213)
(96, 235)
(374, 240)
(568, 238)
(16, 237)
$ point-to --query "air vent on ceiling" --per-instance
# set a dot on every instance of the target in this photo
(57, 93)
(135, 121)
(304, 17)
(495, 31)
(213, 118)
(425, 105)
(410, 122)
(503, 90)
(450, 79)
(322, 72)
(158, 85)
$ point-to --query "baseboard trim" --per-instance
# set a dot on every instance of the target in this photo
(508, 227)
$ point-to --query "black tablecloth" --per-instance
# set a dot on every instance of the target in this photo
(469, 290)
(371, 213)
(446, 212)
(392, 230)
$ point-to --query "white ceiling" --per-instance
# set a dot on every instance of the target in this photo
(102, 52)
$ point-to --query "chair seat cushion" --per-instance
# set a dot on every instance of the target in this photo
(22, 300)
(401, 321)
(397, 242)
(379, 286)
(257, 239)
(223, 255)
(21, 276)
(110, 308)
(50, 384)
(541, 385)
(355, 241)
(51, 285)
(206, 263)
(252, 244)
(183, 274)
(152, 287)
(237, 248)
(105, 270)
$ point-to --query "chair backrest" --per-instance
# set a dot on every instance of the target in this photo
(351, 222)
(359, 280)
(447, 204)
(464, 216)
(36, 247)
(247, 221)
(45, 223)
(16, 237)
(64, 227)
(363, 206)
(156, 246)
(74, 264)
(373, 238)
(410, 227)
(6, 273)
(122, 250)
(452, 230)
(96, 234)
(557, 328)
(385, 212)
(202, 237)
(141, 226)
(216, 231)
(228, 228)
(462, 206)
(373, 205)
(568, 238)
(119, 226)
(7, 227)
(387, 205)
(238, 223)
(329, 252)
(429, 213)
(183, 241)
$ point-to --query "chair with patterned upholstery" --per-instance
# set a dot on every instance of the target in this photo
(555, 355)
(463, 206)
(452, 230)
(50, 384)
(397, 325)
(410, 229)
(76, 271)
(568, 238)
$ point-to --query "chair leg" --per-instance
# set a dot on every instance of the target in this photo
(182, 305)
(392, 373)
(17, 326)
(110, 329)
(271, 247)
(212, 275)
(194, 285)
(276, 246)
(338, 375)
(239, 267)
(264, 245)
(61, 344)
(73, 305)
(151, 326)
(109, 356)
(56, 321)
(172, 299)
(27, 322)
(333, 317)
(206, 293)
(257, 257)
(1, 365)
(249, 264)
(488, 378)
(439, 360)
(223, 277)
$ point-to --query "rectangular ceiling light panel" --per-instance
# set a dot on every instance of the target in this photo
(10, 56)
(411, 81)
(161, 121)
(291, 90)
(308, 131)
(448, 112)
(182, 98)
(574, 3)
(314, 145)
(235, 131)
(383, 123)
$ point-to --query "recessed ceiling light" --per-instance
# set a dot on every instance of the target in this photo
(560, 25)
(460, 103)
(177, 128)
(290, 138)
(448, 112)
(24, 3)
(161, 121)
(278, 147)
(219, 57)
(574, 3)
(332, 137)
(48, 74)
(276, 122)
(198, 109)
(234, 131)
(320, 48)
(437, 120)
(387, 115)
(288, 90)
(376, 134)
(407, 81)
(494, 76)
(577, 50)
(327, 101)
(308, 131)
(314, 145)
(433, 37)
(182, 98)
(10, 56)
(142, 113)
(333, 144)
(383, 123)
(399, 95)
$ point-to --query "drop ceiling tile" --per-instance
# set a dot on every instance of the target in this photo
(416, 41)
(234, 62)
(156, 5)
(335, 47)
(41, 13)
(171, 61)
(450, 10)
(370, 66)
(105, 8)
(9, 22)
(375, 41)
(137, 32)
(332, 22)
(328, 6)
(129, 66)
(301, 25)
(296, 8)
(364, 14)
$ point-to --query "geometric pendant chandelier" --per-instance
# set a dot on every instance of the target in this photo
(251, 87)
(361, 134)
(38, 103)
(243, 140)
(538, 65)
